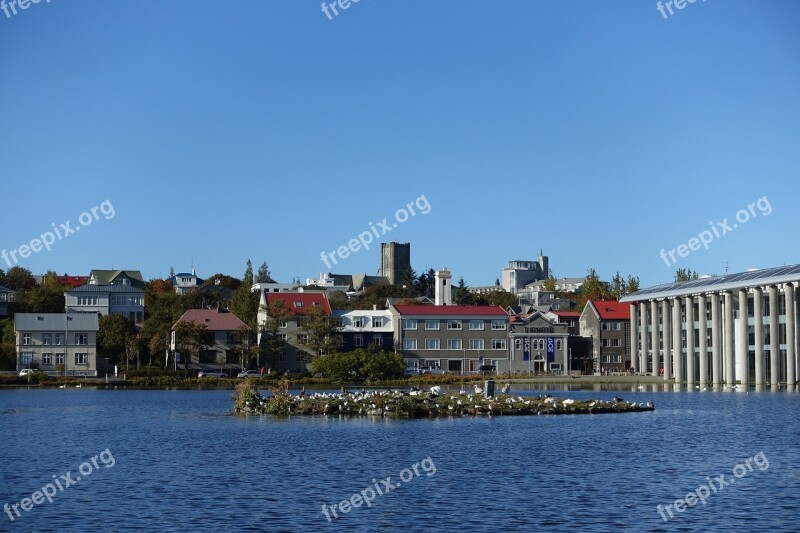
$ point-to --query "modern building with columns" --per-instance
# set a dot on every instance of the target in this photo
(737, 328)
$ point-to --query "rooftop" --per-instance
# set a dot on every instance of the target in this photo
(451, 310)
(611, 310)
(56, 322)
(298, 302)
(740, 280)
(106, 288)
(213, 319)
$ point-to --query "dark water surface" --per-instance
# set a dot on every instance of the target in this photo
(180, 461)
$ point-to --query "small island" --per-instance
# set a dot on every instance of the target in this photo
(415, 403)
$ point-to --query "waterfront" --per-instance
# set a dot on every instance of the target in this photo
(184, 462)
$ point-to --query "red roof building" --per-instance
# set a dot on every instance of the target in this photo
(212, 319)
(298, 302)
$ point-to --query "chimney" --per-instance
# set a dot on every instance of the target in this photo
(443, 293)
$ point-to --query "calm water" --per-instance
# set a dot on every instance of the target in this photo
(182, 461)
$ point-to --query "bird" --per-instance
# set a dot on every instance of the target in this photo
(506, 388)
(303, 390)
(437, 390)
(568, 401)
(640, 387)
(478, 390)
(62, 386)
(617, 399)
(462, 391)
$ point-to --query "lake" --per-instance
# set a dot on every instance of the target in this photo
(180, 460)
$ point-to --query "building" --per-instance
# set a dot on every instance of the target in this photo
(395, 260)
(734, 329)
(118, 299)
(562, 284)
(607, 324)
(538, 344)
(361, 328)
(533, 294)
(330, 284)
(451, 338)
(131, 278)
(569, 318)
(7, 296)
(57, 342)
(186, 282)
(296, 356)
(518, 274)
(65, 280)
(221, 346)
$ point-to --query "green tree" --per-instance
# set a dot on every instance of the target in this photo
(323, 336)
(245, 301)
(427, 283)
(263, 272)
(47, 298)
(549, 283)
(632, 284)
(685, 274)
(273, 342)
(357, 366)
(114, 337)
(461, 294)
(502, 298)
(224, 280)
(190, 338)
(410, 281)
(592, 289)
(19, 279)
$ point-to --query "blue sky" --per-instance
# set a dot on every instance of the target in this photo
(599, 132)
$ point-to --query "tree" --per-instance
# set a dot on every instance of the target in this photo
(19, 279)
(549, 283)
(47, 298)
(161, 311)
(224, 280)
(409, 281)
(427, 283)
(461, 294)
(370, 364)
(190, 337)
(263, 272)
(592, 289)
(247, 279)
(617, 286)
(685, 274)
(114, 337)
(320, 328)
(171, 272)
(632, 284)
(155, 286)
(502, 298)
(272, 342)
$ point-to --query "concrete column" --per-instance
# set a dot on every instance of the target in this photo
(758, 325)
(634, 337)
(676, 339)
(727, 324)
(743, 346)
(690, 357)
(643, 333)
(716, 341)
(666, 334)
(703, 333)
(654, 358)
(774, 338)
(791, 371)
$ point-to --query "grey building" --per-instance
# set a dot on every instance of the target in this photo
(538, 344)
(132, 278)
(7, 296)
(607, 323)
(458, 339)
(63, 342)
(395, 259)
(518, 273)
(117, 299)
(361, 328)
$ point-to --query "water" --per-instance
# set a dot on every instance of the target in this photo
(183, 462)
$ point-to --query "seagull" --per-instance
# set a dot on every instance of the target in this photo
(303, 390)
(462, 391)
(617, 399)
(568, 401)
(506, 388)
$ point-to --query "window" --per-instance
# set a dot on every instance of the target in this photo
(47, 339)
(59, 358)
(453, 324)
(409, 323)
(25, 358)
(47, 359)
(298, 304)
(377, 339)
(302, 338)
(453, 344)
(498, 325)
(283, 324)
(81, 339)
(339, 322)
(517, 344)
(59, 339)
(282, 337)
(377, 322)
(409, 344)
(476, 344)
(26, 339)
(558, 344)
(431, 344)
(476, 325)
(358, 340)
(431, 324)
(615, 343)
(358, 322)
(499, 344)
(430, 363)
(81, 358)
(282, 357)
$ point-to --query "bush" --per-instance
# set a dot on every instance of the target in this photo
(359, 366)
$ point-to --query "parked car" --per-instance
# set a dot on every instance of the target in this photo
(210, 374)
(248, 374)
(27, 372)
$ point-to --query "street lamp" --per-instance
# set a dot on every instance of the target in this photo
(569, 361)
(67, 318)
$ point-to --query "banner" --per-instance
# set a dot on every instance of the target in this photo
(526, 351)
(551, 349)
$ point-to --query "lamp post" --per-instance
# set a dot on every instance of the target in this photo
(569, 361)
(67, 318)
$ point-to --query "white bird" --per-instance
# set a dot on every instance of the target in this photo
(506, 388)
(62, 386)
(79, 385)
(437, 390)
(478, 390)
(568, 401)
(462, 391)
(640, 387)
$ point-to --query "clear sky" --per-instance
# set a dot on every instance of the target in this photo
(600, 132)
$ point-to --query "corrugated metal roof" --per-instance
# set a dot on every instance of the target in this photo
(106, 288)
(56, 322)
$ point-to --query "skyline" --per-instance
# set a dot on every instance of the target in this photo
(602, 135)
